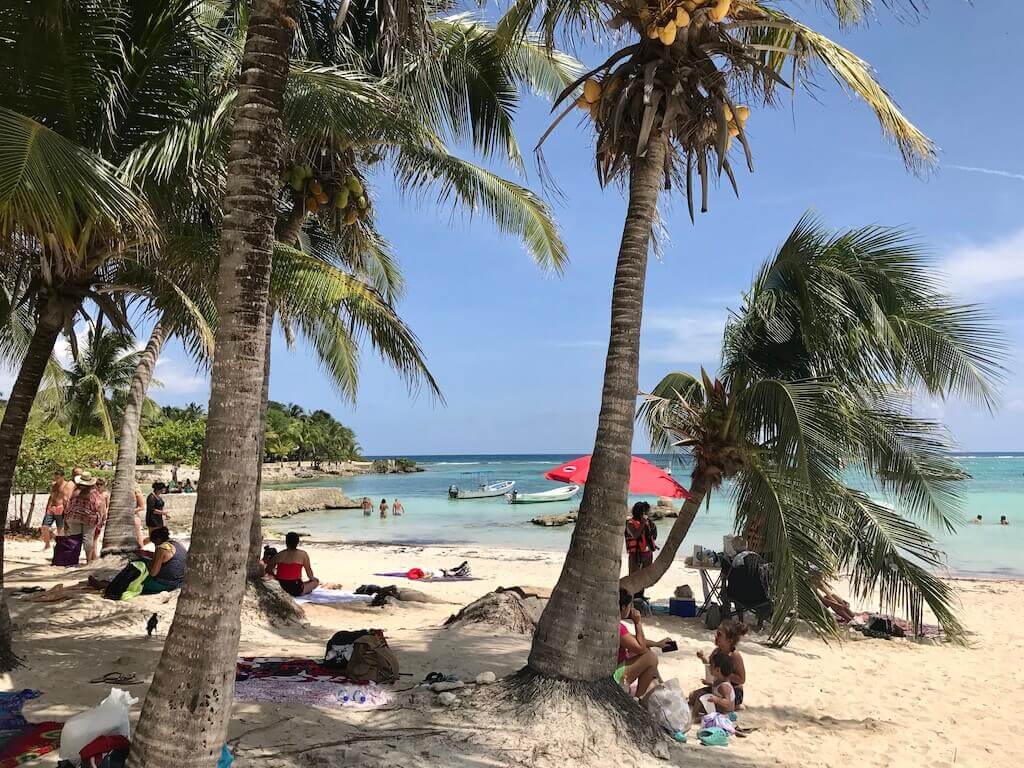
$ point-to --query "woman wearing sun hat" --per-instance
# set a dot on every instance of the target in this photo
(84, 511)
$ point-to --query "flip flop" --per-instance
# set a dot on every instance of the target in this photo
(713, 737)
(117, 678)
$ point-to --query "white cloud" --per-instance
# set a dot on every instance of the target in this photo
(176, 379)
(995, 267)
(684, 336)
(987, 171)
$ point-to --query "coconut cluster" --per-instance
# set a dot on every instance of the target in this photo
(344, 194)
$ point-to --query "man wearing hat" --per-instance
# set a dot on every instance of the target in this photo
(84, 511)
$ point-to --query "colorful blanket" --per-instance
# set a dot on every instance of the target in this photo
(20, 740)
(286, 670)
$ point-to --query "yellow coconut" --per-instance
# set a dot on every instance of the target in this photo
(682, 18)
(742, 113)
(322, 198)
(728, 112)
(654, 32)
(582, 103)
(591, 90)
(734, 130)
(689, 6)
(351, 216)
(595, 111)
(721, 10)
(668, 33)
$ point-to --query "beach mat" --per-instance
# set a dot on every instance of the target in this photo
(321, 596)
(22, 741)
(286, 670)
(432, 579)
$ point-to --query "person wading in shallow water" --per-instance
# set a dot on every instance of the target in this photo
(383, 508)
(367, 506)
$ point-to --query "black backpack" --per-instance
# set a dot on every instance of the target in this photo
(120, 583)
(339, 647)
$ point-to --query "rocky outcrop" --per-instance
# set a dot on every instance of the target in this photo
(273, 504)
(551, 521)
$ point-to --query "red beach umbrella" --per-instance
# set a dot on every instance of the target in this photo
(645, 479)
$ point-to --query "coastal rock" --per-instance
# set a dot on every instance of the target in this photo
(447, 699)
(555, 520)
(486, 678)
(273, 504)
(447, 685)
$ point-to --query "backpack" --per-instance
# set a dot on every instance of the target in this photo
(372, 660)
(122, 583)
(339, 647)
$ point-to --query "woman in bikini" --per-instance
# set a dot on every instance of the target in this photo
(288, 566)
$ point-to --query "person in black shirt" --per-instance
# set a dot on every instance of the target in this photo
(155, 515)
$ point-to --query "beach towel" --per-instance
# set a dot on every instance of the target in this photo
(312, 694)
(321, 596)
(286, 670)
(20, 740)
(426, 577)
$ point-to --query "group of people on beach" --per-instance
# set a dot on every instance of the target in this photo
(79, 507)
(396, 508)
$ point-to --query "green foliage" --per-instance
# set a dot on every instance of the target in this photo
(176, 441)
(48, 447)
(294, 434)
(817, 367)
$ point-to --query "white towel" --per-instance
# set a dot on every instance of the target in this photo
(320, 596)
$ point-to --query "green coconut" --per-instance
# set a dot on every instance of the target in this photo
(341, 197)
(354, 185)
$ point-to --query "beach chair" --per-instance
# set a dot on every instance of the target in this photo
(748, 588)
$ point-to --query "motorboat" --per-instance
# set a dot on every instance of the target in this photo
(482, 491)
(555, 494)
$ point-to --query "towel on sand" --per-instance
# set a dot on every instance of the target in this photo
(20, 740)
(321, 596)
(405, 575)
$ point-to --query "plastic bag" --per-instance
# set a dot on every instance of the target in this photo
(110, 718)
(667, 704)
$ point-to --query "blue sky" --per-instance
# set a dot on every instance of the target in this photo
(519, 353)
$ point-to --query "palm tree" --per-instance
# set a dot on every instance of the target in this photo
(82, 85)
(664, 109)
(818, 366)
(90, 395)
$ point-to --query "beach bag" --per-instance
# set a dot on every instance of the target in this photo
(339, 647)
(372, 660)
(110, 718)
(667, 704)
(105, 752)
(67, 550)
(124, 581)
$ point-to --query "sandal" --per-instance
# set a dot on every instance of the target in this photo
(117, 678)
(713, 737)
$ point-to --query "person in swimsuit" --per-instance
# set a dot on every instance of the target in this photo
(97, 539)
(155, 515)
(367, 506)
(397, 508)
(137, 513)
(288, 566)
(727, 637)
(383, 508)
(54, 515)
(1002, 518)
(637, 660)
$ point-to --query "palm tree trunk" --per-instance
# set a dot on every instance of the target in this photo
(185, 715)
(12, 429)
(650, 576)
(256, 527)
(119, 536)
(576, 637)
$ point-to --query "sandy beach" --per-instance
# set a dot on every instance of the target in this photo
(872, 702)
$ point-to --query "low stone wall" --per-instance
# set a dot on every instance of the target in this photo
(273, 472)
(273, 504)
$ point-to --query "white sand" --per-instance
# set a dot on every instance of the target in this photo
(865, 702)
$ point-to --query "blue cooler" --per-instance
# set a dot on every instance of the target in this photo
(686, 609)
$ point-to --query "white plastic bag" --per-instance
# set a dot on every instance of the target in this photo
(110, 718)
(667, 703)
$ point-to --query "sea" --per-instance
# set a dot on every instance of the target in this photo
(988, 550)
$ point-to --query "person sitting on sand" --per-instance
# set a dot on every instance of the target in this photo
(287, 567)
(167, 568)
(188, 487)
(397, 508)
(367, 506)
(719, 695)
(727, 637)
(832, 601)
(384, 508)
(1003, 520)
(637, 660)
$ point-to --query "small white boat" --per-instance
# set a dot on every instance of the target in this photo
(555, 494)
(482, 491)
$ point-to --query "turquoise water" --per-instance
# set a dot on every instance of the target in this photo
(996, 488)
